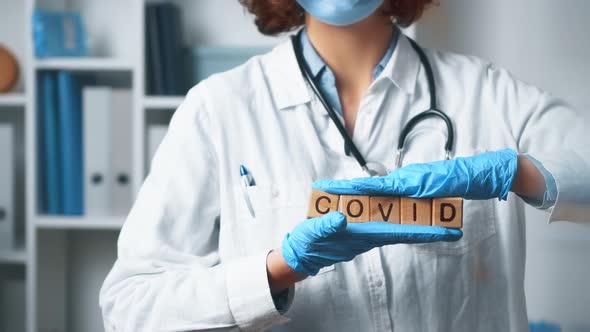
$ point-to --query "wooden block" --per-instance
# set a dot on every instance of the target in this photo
(355, 208)
(416, 211)
(447, 212)
(322, 203)
(385, 208)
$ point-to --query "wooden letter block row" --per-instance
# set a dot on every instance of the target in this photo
(446, 212)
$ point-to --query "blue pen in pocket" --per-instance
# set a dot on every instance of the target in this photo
(247, 181)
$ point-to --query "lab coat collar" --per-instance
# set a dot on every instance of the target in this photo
(289, 88)
(287, 85)
(403, 67)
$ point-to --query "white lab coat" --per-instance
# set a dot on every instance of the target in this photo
(191, 257)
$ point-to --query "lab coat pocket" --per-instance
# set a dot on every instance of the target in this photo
(255, 203)
(277, 210)
(253, 199)
(268, 199)
(478, 225)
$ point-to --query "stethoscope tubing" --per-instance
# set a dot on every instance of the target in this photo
(323, 100)
(433, 111)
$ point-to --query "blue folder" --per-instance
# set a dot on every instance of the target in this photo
(58, 33)
(154, 56)
(50, 181)
(70, 116)
(170, 44)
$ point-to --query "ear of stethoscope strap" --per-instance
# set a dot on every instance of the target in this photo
(366, 171)
(398, 158)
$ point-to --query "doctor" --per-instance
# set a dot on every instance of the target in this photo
(192, 256)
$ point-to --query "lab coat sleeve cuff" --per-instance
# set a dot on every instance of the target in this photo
(250, 299)
(550, 195)
(283, 300)
(573, 197)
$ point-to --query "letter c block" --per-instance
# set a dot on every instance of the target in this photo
(447, 212)
(322, 203)
(355, 208)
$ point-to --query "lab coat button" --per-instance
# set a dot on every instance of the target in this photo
(379, 283)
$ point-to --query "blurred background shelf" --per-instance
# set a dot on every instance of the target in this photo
(13, 256)
(162, 102)
(83, 64)
(80, 223)
(13, 99)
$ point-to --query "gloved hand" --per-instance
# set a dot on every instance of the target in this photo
(323, 241)
(483, 176)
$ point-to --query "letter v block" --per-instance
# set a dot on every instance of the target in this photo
(447, 212)
(322, 203)
(385, 208)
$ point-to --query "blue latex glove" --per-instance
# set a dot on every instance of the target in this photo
(483, 176)
(329, 239)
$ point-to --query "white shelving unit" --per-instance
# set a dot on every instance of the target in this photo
(13, 108)
(61, 260)
(59, 290)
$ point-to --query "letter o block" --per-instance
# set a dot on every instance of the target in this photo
(447, 212)
(355, 208)
(322, 203)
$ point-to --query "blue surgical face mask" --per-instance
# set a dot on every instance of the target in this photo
(340, 12)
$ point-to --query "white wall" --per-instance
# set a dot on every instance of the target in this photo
(544, 42)
(12, 39)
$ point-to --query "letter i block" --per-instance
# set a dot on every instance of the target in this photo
(322, 203)
(355, 208)
(416, 211)
(385, 208)
(447, 212)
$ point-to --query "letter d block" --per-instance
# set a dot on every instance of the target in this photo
(447, 212)
(416, 211)
(322, 203)
(355, 208)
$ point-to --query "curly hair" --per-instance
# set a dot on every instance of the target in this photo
(273, 17)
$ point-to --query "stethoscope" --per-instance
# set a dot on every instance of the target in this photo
(373, 168)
